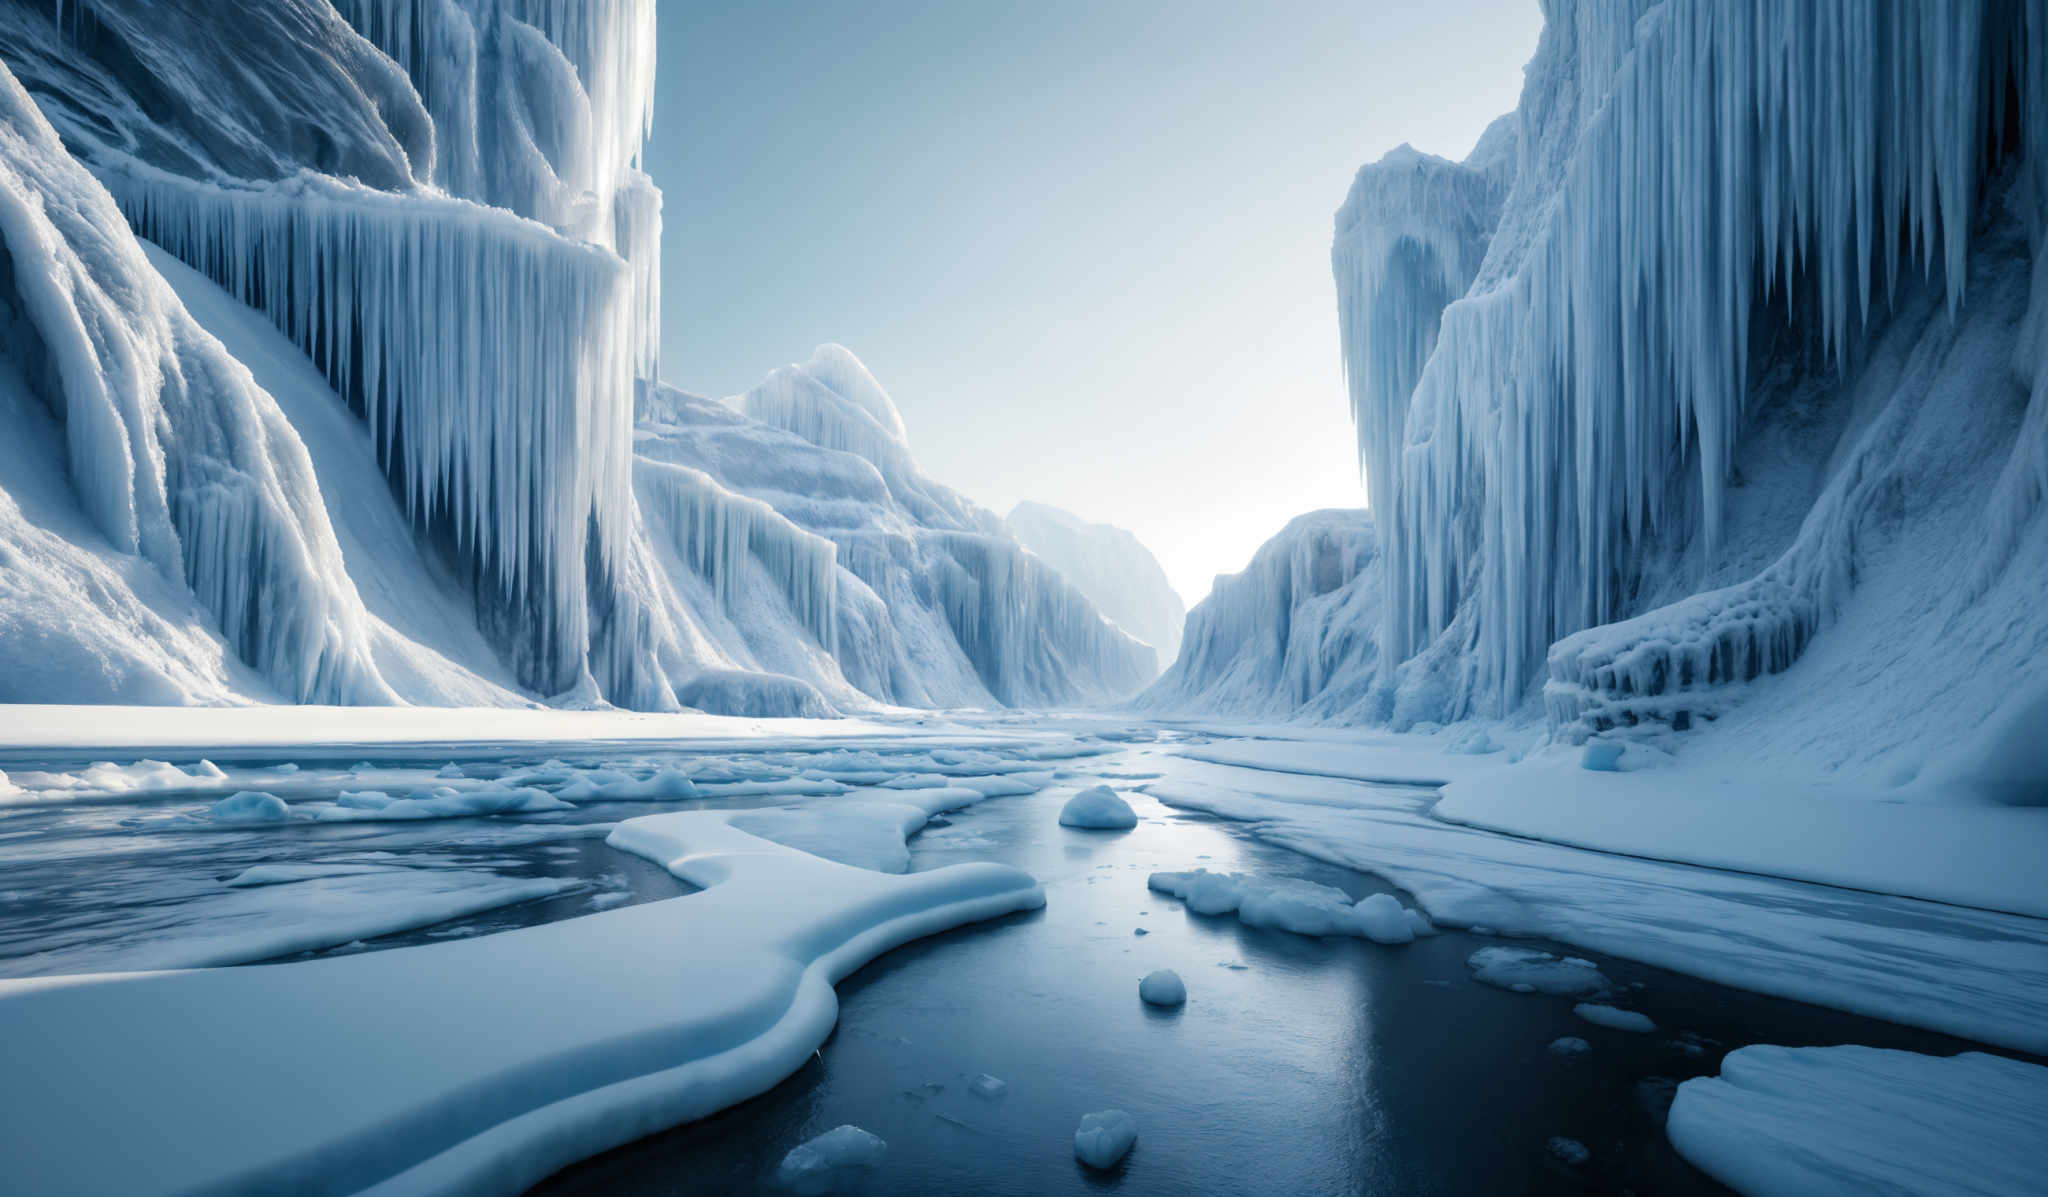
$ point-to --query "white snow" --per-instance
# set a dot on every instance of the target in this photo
(1104, 1137)
(1781, 1121)
(1900, 959)
(1163, 988)
(1614, 1018)
(1098, 808)
(1528, 970)
(834, 1161)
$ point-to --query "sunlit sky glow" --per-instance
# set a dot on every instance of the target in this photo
(1085, 246)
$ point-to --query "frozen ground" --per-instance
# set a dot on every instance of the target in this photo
(124, 865)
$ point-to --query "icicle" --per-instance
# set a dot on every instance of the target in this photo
(492, 360)
(174, 451)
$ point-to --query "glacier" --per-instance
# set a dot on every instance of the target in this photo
(438, 208)
(1111, 567)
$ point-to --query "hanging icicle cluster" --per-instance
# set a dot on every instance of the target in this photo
(174, 452)
(1724, 160)
(491, 359)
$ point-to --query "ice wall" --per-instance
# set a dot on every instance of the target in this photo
(1291, 634)
(173, 451)
(446, 215)
(1699, 187)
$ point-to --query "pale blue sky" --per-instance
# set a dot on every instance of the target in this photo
(1085, 246)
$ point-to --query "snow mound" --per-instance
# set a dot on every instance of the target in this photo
(1288, 904)
(1163, 988)
(1098, 808)
(1105, 1137)
(1781, 1121)
(1527, 970)
(833, 1162)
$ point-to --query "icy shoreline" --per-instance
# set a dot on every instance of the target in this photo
(508, 1056)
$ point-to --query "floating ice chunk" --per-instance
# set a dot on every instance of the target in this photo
(1302, 907)
(987, 1086)
(7, 787)
(1569, 1045)
(251, 806)
(1571, 1151)
(1100, 809)
(1383, 919)
(1104, 1138)
(1601, 756)
(451, 769)
(1163, 988)
(442, 802)
(282, 874)
(1613, 1017)
(1541, 972)
(916, 781)
(833, 1162)
(287, 767)
(604, 785)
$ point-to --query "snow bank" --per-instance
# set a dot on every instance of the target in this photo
(1916, 844)
(1781, 1121)
(496, 1068)
(1099, 808)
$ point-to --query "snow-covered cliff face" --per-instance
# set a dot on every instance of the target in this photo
(1291, 635)
(336, 311)
(877, 577)
(1749, 379)
(1111, 567)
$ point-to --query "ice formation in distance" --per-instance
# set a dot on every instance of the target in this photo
(929, 600)
(1293, 632)
(1111, 567)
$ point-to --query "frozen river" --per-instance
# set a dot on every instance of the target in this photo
(1299, 1064)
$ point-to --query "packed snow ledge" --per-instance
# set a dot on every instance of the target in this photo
(478, 1065)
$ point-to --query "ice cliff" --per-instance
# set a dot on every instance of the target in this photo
(437, 208)
(1111, 567)
(1721, 357)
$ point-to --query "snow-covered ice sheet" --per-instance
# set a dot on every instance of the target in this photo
(1974, 973)
(1905, 843)
(1803, 1122)
(474, 1065)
